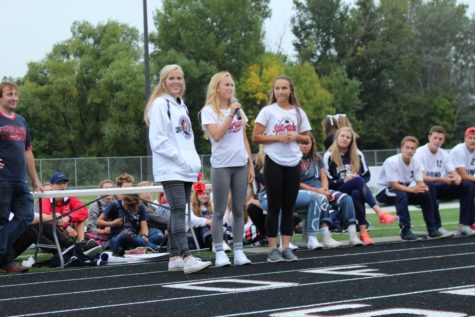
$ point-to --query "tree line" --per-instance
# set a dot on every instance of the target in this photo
(394, 67)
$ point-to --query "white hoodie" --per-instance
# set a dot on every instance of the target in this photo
(172, 142)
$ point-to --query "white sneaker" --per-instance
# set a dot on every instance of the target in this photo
(354, 240)
(465, 231)
(240, 258)
(194, 265)
(313, 243)
(176, 265)
(445, 233)
(330, 243)
(221, 259)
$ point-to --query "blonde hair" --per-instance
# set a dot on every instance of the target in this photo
(336, 151)
(260, 157)
(212, 97)
(212, 92)
(161, 89)
(196, 205)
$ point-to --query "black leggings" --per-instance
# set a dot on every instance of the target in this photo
(258, 218)
(282, 185)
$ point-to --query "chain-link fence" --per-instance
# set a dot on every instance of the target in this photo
(87, 172)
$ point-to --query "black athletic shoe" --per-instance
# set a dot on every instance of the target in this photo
(409, 235)
(86, 245)
(434, 234)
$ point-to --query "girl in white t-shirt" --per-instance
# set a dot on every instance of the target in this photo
(175, 161)
(281, 126)
(224, 123)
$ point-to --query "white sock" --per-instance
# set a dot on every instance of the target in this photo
(352, 229)
(325, 232)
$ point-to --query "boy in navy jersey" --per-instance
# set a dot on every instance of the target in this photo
(16, 160)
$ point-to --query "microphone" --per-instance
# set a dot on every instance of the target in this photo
(238, 111)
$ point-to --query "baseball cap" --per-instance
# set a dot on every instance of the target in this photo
(58, 177)
(470, 131)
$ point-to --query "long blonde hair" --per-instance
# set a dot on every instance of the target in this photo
(336, 151)
(212, 97)
(161, 89)
(260, 158)
(212, 92)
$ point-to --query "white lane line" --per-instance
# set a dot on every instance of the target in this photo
(343, 301)
(318, 256)
(220, 278)
(464, 291)
(218, 294)
(234, 285)
(355, 270)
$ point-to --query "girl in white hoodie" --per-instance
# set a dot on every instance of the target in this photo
(175, 161)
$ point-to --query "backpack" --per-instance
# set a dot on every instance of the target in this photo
(74, 257)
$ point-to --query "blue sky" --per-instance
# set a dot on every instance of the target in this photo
(30, 28)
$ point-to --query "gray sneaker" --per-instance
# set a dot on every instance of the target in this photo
(289, 256)
(274, 256)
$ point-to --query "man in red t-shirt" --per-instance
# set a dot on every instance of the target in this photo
(73, 225)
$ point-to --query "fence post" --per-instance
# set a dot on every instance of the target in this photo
(76, 171)
(141, 173)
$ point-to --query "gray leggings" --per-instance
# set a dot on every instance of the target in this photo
(224, 179)
(178, 196)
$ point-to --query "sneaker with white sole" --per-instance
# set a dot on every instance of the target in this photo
(176, 265)
(465, 231)
(291, 247)
(240, 258)
(445, 233)
(274, 256)
(330, 243)
(221, 259)
(313, 244)
(289, 255)
(354, 240)
(195, 265)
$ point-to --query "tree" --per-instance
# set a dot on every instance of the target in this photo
(320, 29)
(462, 76)
(87, 94)
(225, 34)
